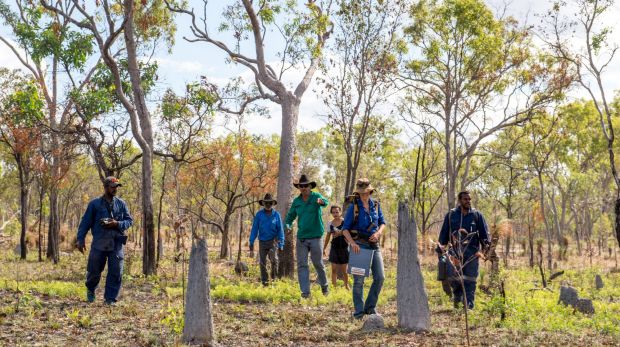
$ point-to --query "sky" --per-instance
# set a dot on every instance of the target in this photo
(188, 61)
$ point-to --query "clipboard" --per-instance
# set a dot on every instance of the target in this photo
(359, 263)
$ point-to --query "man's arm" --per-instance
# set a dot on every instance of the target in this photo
(254, 231)
(444, 234)
(290, 216)
(127, 220)
(483, 230)
(280, 231)
(86, 223)
(323, 201)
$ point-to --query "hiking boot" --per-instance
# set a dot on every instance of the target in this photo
(470, 305)
(90, 296)
(305, 295)
(370, 311)
(357, 316)
(325, 290)
(110, 302)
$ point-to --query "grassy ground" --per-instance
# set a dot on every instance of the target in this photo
(43, 304)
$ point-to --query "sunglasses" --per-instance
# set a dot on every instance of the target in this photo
(267, 203)
(304, 185)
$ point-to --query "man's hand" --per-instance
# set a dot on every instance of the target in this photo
(480, 255)
(111, 225)
(463, 231)
(374, 237)
(355, 247)
(81, 246)
(320, 202)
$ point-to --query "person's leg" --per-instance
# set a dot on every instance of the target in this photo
(96, 264)
(263, 251)
(115, 275)
(345, 275)
(335, 272)
(457, 292)
(470, 273)
(358, 296)
(316, 254)
(378, 277)
(273, 257)
(303, 274)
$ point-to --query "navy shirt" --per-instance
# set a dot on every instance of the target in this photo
(473, 222)
(267, 227)
(97, 210)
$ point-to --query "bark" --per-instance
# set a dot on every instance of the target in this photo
(143, 133)
(53, 235)
(224, 247)
(290, 114)
(198, 328)
(24, 191)
(411, 298)
(41, 196)
(547, 226)
(160, 244)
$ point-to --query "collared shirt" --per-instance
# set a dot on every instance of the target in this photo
(372, 218)
(475, 225)
(267, 226)
(98, 209)
(310, 222)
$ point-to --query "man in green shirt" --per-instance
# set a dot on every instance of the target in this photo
(307, 207)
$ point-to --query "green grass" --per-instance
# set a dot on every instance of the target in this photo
(62, 289)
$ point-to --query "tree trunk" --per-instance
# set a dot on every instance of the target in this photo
(53, 234)
(617, 212)
(224, 247)
(41, 196)
(290, 113)
(142, 130)
(23, 199)
(411, 298)
(240, 235)
(160, 244)
(547, 227)
(198, 328)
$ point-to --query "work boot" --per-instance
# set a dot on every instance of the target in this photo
(305, 295)
(325, 290)
(90, 296)
(110, 303)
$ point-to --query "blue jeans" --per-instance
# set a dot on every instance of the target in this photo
(96, 263)
(315, 248)
(378, 277)
(470, 275)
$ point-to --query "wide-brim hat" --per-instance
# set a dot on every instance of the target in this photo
(304, 180)
(267, 198)
(363, 186)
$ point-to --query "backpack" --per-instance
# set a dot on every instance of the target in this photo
(353, 199)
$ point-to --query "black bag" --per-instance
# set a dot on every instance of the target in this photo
(442, 269)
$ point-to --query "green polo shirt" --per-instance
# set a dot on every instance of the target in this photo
(310, 222)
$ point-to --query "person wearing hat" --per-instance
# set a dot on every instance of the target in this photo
(307, 209)
(107, 217)
(267, 226)
(362, 228)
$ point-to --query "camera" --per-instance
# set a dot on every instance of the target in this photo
(105, 221)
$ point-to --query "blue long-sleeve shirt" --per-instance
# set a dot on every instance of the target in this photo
(365, 219)
(267, 227)
(475, 225)
(97, 210)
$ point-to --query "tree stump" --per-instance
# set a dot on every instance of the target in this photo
(374, 322)
(411, 299)
(585, 306)
(599, 282)
(198, 327)
(568, 296)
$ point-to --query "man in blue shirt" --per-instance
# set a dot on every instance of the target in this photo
(362, 227)
(467, 233)
(267, 226)
(107, 218)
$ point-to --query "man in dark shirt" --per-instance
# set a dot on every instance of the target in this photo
(107, 218)
(467, 234)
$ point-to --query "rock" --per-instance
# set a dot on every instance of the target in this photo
(568, 296)
(599, 282)
(241, 268)
(585, 306)
(374, 322)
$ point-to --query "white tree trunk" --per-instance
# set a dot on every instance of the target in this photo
(411, 298)
(198, 328)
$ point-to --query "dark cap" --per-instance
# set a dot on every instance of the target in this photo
(111, 181)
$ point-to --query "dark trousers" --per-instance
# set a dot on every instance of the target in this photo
(268, 249)
(470, 275)
(96, 263)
